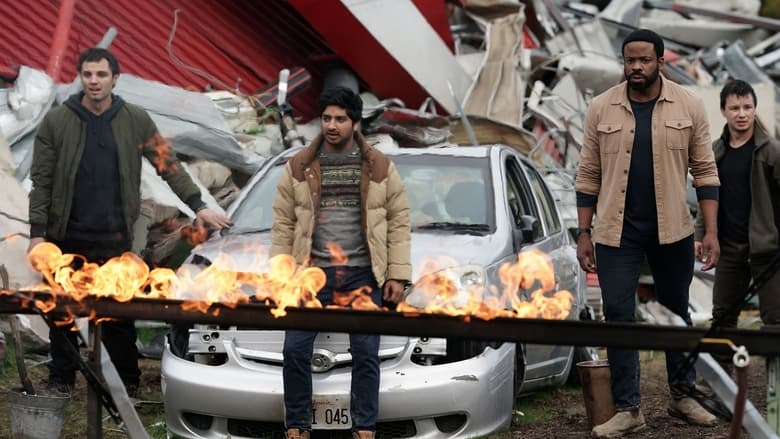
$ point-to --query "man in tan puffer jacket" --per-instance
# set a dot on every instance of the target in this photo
(341, 206)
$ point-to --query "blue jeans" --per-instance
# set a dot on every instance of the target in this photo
(298, 346)
(618, 271)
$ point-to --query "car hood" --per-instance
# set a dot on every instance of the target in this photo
(249, 251)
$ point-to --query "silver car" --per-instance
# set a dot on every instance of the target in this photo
(476, 207)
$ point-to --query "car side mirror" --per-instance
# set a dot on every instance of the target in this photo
(530, 228)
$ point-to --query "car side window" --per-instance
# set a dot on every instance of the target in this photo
(549, 213)
(518, 193)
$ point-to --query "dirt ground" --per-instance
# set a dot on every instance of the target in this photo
(563, 412)
(568, 418)
(75, 422)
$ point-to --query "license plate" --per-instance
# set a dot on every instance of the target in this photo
(330, 413)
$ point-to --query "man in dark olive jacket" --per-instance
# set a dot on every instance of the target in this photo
(748, 161)
(86, 176)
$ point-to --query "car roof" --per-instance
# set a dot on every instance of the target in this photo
(455, 151)
(445, 150)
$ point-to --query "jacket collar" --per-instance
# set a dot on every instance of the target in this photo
(760, 135)
(310, 153)
(74, 103)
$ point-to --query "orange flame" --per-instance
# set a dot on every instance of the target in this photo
(280, 282)
(437, 291)
(356, 299)
(159, 153)
(337, 255)
(195, 233)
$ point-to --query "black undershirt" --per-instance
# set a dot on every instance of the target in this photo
(640, 222)
(734, 172)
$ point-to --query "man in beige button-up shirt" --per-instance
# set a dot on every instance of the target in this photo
(641, 139)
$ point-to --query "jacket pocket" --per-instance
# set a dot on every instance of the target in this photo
(678, 133)
(609, 137)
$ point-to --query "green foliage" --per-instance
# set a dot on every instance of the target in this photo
(8, 369)
(533, 408)
(158, 430)
(146, 334)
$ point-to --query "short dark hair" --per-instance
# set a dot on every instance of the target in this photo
(736, 87)
(344, 98)
(648, 36)
(95, 54)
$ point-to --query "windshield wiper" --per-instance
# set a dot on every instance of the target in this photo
(458, 227)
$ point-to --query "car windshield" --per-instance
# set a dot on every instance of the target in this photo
(255, 214)
(445, 193)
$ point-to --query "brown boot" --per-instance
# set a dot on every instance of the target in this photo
(620, 425)
(295, 433)
(363, 434)
(689, 410)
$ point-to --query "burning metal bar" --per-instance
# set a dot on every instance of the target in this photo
(534, 331)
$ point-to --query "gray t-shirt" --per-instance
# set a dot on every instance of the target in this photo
(339, 221)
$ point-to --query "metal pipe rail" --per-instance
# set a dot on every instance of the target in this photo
(533, 331)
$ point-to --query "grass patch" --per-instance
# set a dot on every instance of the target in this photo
(8, 371)
(75, 423)
(158, 430)
(534, 408)
(147, 333)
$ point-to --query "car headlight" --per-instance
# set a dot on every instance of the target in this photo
(472, 277)
(457, 286)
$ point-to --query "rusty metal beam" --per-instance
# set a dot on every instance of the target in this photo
(533, 331)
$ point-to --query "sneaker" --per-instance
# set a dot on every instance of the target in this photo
(363, 434)
(623, 423)
(295, 433)
(691, 412)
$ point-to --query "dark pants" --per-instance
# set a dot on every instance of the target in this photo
(733, 274)
(298, 347)
(119, 337)
(618, 271)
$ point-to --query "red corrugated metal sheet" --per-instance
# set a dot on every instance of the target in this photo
(241, 43)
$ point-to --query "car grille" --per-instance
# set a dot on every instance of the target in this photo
(335, 367)
(396, 429)
(275, 430)
(256, 429)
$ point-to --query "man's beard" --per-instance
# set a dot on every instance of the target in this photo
(649, 80)
(340, 144)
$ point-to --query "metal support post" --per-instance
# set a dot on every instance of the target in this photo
(94, 406)
(772, 396)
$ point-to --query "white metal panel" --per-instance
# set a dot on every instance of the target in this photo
(400, 28)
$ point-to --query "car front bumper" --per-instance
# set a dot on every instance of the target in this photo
(479, 389)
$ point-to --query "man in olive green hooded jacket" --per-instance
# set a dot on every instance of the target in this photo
(86, 176)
